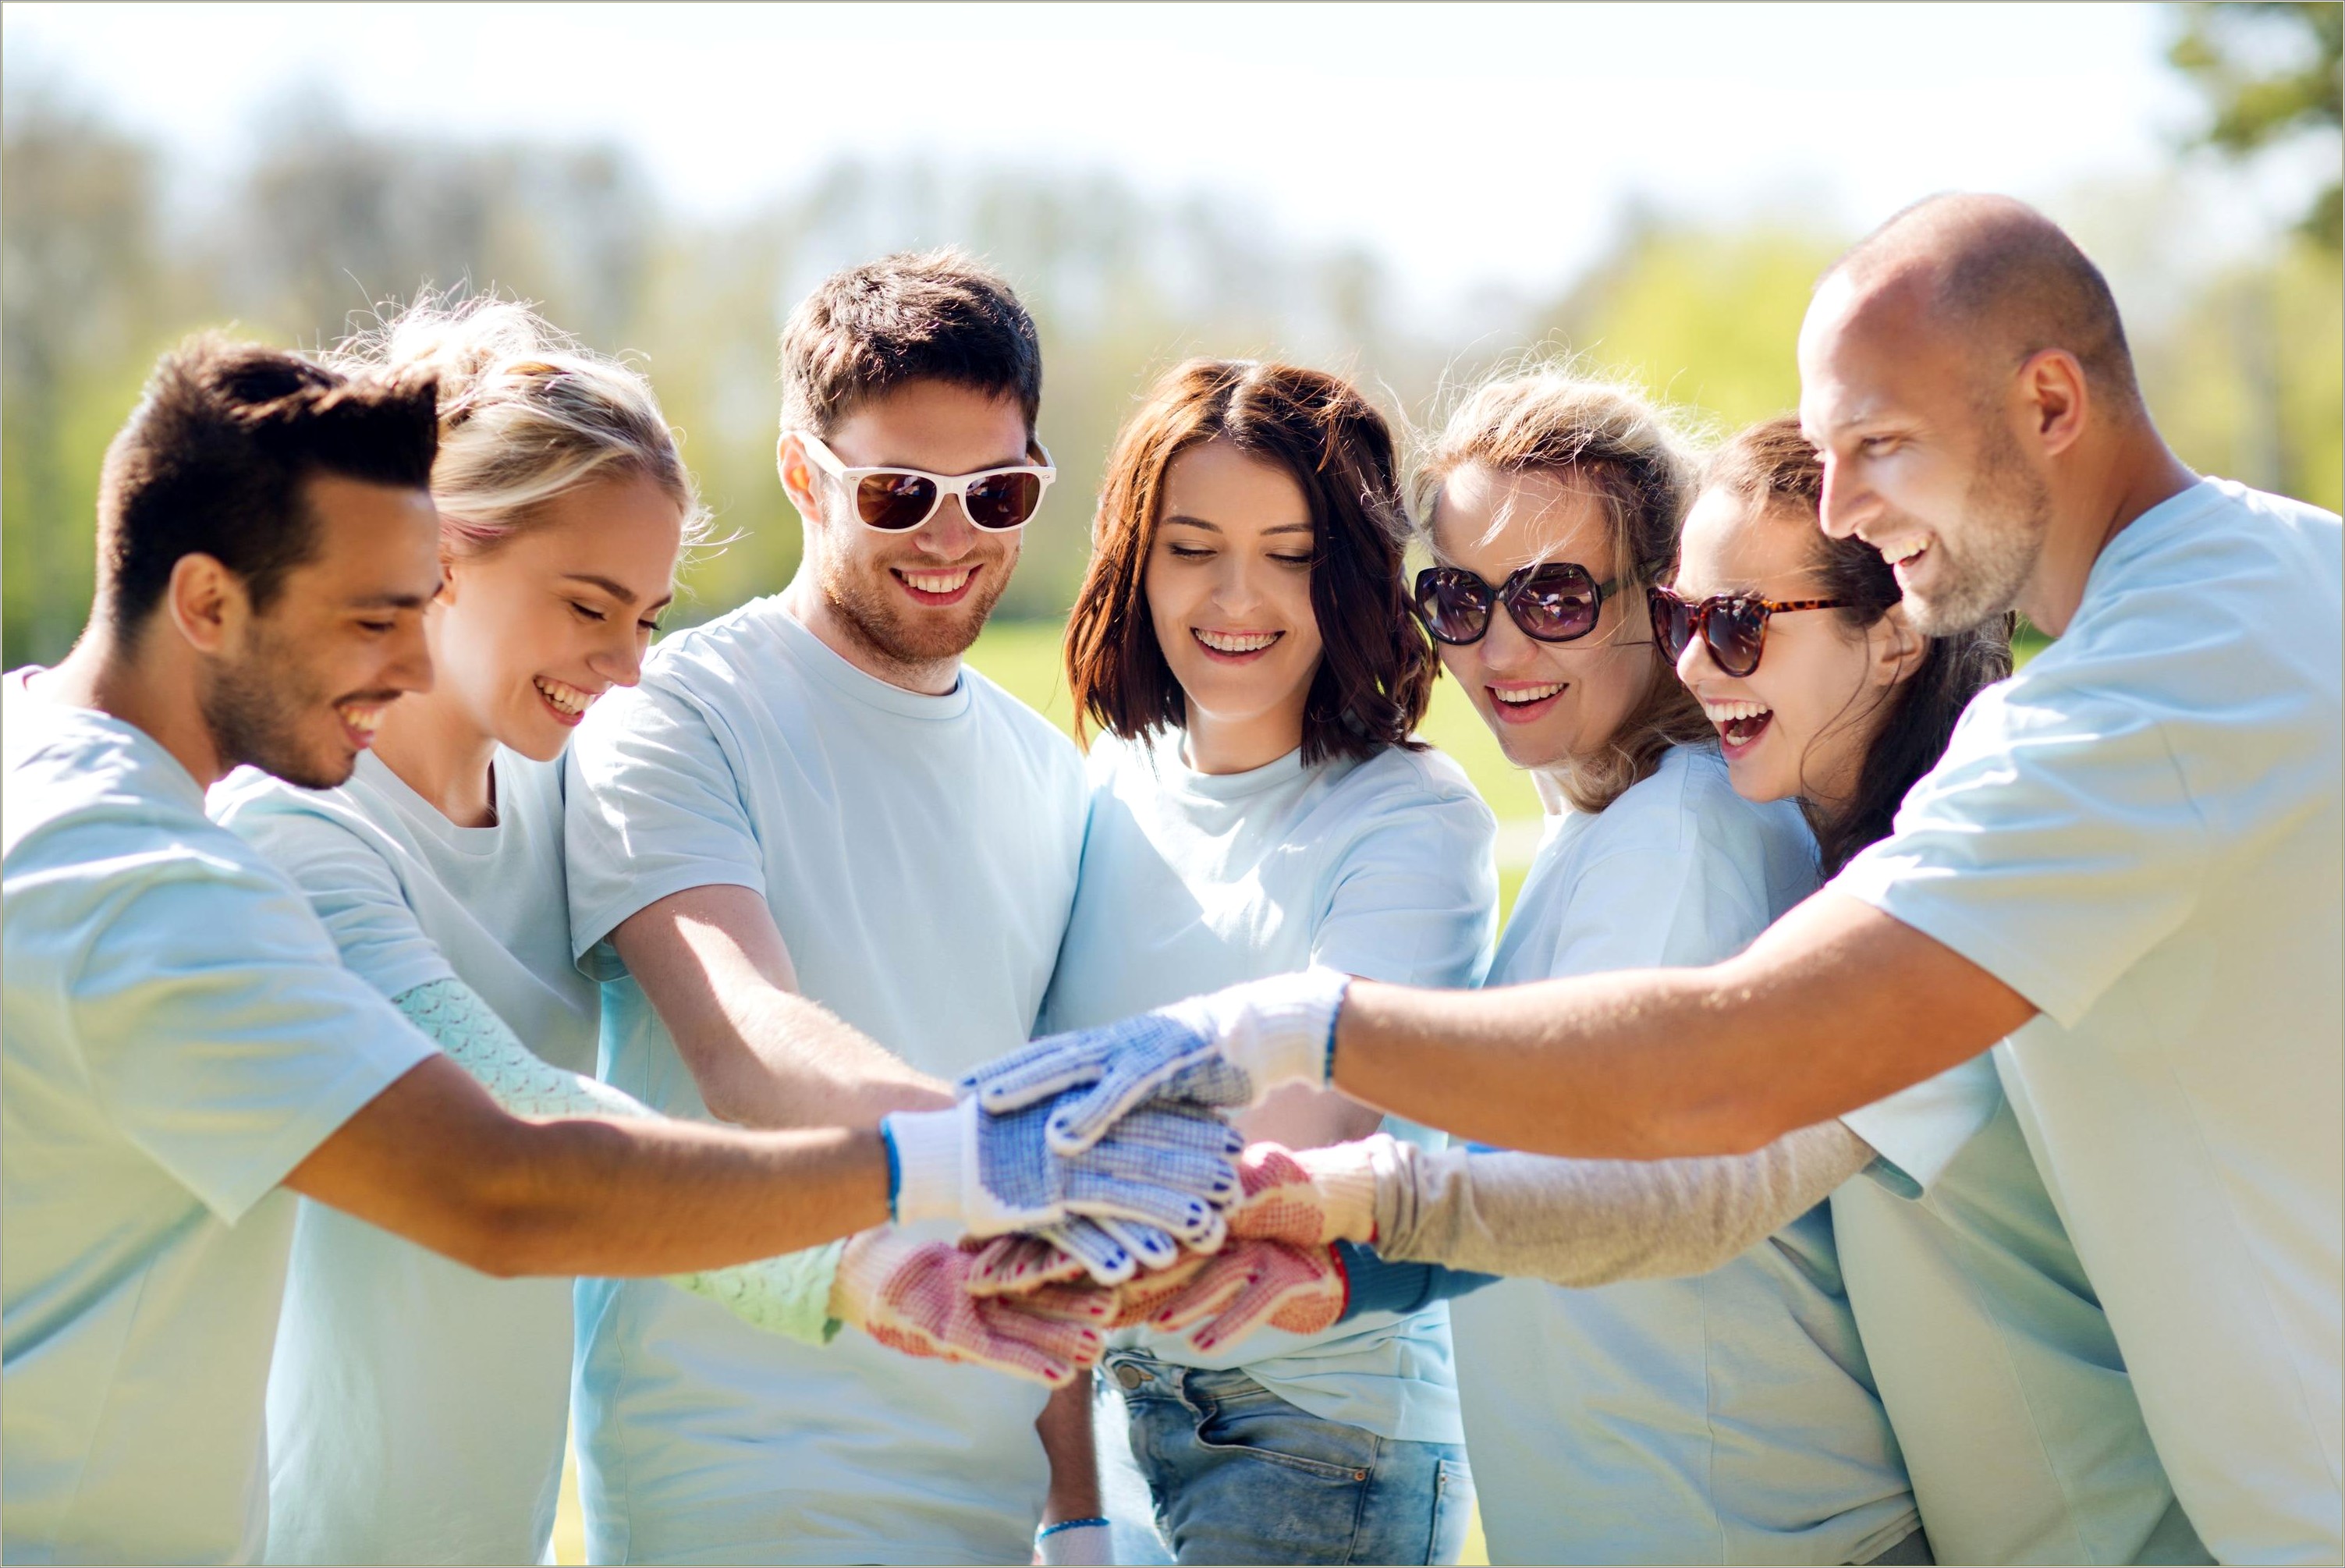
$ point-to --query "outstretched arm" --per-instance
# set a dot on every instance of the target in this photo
(434, 1159)
(1834, 1006)
(714, 967)
(785, 1295)
(1592, 1222)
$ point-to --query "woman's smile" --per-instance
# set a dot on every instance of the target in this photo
(1234, 646)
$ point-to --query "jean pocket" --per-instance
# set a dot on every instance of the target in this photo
(1258, 1424)
(1453, 1511)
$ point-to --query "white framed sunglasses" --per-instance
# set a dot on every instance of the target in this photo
(897, 499)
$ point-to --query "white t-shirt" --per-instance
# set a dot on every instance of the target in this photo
(177, 1036)
(1726, 1419)
(417, 1409)
(1192, 882)
(920, 856)
(1994, 1360)
(2139, 833)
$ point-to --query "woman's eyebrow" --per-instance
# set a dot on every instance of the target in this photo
(623, 595)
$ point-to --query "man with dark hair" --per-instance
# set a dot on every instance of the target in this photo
(2123, 877)
(181, 1043)
(810, 803)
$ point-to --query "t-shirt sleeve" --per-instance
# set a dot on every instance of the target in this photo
(1416, 900)
(354, 893)
(221, 1032)
(652, 807)
(1652, 906)
(1916, 1133)
(2051, 846)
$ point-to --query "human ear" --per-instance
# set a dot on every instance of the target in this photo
(208, 602)
(2054, 392)
(798, 478)
(1897, 647)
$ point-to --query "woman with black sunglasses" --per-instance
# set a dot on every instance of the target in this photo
(1728, 1417)
(1995, 1362)
(2001, 1376)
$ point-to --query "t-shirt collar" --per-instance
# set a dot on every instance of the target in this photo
(825, 663)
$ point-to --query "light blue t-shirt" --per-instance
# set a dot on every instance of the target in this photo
(2140, 832)
(1993, 1359)
(1726, 1419)
(920, 856)
(176, 1035)
(1192, 882)
(417, 1409)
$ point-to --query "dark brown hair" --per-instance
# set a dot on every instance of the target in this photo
(1375, 665)
(1772, 466)
(213, 459)
(936, 316)
(1622, 450)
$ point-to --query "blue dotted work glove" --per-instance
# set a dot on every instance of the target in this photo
(1227, 1049)
(1166, 1166)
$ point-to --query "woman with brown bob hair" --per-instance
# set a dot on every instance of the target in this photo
(1258, 805)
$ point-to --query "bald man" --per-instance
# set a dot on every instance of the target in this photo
(2124, 877)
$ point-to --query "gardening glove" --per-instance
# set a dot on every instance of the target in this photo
(1167, 1166)
(913, 1295)
(1228, 1049)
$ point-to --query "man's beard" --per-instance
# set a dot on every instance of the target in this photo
(2005, 514)
(254, 707)
(880, 619)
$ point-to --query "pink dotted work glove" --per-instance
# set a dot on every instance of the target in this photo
(913, 1295)
(1310, 1197)
(1279, 1265)
(1248, 1283)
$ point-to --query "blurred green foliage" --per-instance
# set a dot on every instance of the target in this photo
(2269, 69)
(111, 254)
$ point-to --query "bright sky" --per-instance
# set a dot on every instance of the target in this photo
(1465, 144)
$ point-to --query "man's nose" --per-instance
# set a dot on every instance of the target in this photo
(948, 534)
(1842, 506)
(410, 664)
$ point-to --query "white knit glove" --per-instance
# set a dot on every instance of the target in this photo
(1084, 1542)
(1227, 1049)
(1167, 1166)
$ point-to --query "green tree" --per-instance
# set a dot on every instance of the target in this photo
(1707, 319)
(78, 314)
(2269, 69)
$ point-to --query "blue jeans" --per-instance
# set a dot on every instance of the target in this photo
(1239, 1475)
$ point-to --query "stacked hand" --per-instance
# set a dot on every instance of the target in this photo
(1105, 1154)
(1278, 1266)
(1228, 1049)
(1164, 1166)
(914, 1295)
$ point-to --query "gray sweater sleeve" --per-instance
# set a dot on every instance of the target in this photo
(1591, 1222)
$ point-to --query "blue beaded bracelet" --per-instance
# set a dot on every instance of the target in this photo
(1067, 1525)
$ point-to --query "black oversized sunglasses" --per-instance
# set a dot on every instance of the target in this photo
(1552, 602)
(1734, 625)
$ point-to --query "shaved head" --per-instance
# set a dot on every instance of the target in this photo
(2001, 279)
(1964, 375)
